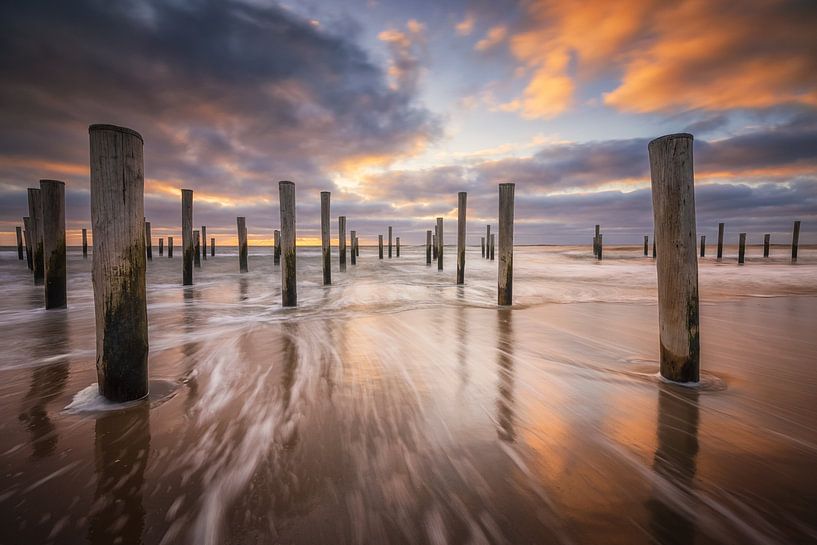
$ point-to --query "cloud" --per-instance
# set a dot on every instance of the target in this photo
(407, 48)
(493, 37)
(466, 26)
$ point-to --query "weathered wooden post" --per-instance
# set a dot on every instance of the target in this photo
(596, 242)
(276, 252)
(646, 245)
(187, 237)
(27, 240)
(353, 242)
(440, 247)
(397, 241)
(766, 239)
(241, 227)
(434, 243)
(742, 248)
(169, 247)
(380, 246)
(196, 249)
(795, 240)
(52, 194)
(493, 245)
(357, 247)
(653, 246)
(505, 279)
(326, 253)
(599, 246)
(482, 243)
(462, 198)
(720, 241)
(19, 231)
(289, 289)
(703, 245)
(488, 241)
(389, 241)
(428, 247)
(117, 212)
(204, 242)
(212, 246)
(84, 243)
(161, 246)
(148, 241)
(36, 214)
(342, 242)
(673, 203)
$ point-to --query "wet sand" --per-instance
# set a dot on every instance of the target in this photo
(395, 407)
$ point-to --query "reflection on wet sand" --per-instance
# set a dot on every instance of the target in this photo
(671, 517)
(122, 447)
(505, 401)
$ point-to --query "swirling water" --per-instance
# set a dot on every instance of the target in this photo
(397, 407)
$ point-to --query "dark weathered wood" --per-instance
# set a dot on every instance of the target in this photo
(488, 241)
(36, 215)
(482, 242)
(462, 199)
(673, 202)
(434, 244)
(196, 249)
(52, 194)
(120, 299)
(493, 245)
(703, 245)
(428, 247)
(326, 247)
(357, 247)
(276, 252)
(19, 231)
(795, 241)
(204, 242)
(380, 246)
(187, 237)
(397, 245)
(742, 249)
(212, 246)
(169, 247)
(440, 244)
(148, 241)
(161, 246)
(27, 241)
(505, 278)
(353, 242)
(653, 246)
(646, 245)
(599, 246)
(389, 241)
(342, 242)
(596, 242)
(289, 288)
(720, 241)
(84, 242)
(766, 240)
(241, 227)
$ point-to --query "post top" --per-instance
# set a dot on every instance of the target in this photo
(52, 182)
(506, 184)
(190, 190)
(106, 127)
(322, 192)
(32, 189)
(671, 137)
(286, 182)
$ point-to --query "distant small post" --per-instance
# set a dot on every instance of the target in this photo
(653, 246)
(428, 247)
(241, 227)
(795, 240)
(52, 193)
(204, 242)
(187, 237)
(646, 245)
(117, 212)
(342, 242)
(84, 243)
(493, 245)
(289, 287)
(353, 242)
(36, 233)
(19, 231)
(27, 241)
(742, 249)
(169, 247)
(397, 245)
(276, 252)
(148, 241)
(720, 241)
(703, 245)
(462, 198)
(389, 241)
(673, 198)
(488, 241)
(482, 243)
(357, 247)
(380, 246)
(505, 279)
(434, 243)
(599, 246)
(196, 249)
(326, 253)
(596, 242)
(212, 246)
(161, 246)
(766, 239)
(440, 244)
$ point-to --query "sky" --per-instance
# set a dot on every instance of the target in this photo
(395, 106)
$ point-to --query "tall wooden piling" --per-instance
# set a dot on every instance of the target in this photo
(19, 231)
(389, 241)
(434, 244)
(599, 246)
(505, 278)
(428, 247)
(276, 252)
(52, 194)
(462, 198)
(482, 243)
(488, 241)
(169, 247)
(212, 246)
(397, 245)
(703, 245)
(342, 242)
(357, 247)
(241, 227)
(289, 287)
(36, 215)
(653, 246)
(646, 245)
(187, 237)
(795, 240)
(493, 245)
(440, 245)
(148, 241)
(196, 249)
(27, 242)
(204, 242)
(673, 200)
(117, 212)
(326, 252)
(353, 242)
(84, 242)
(742, 249)
(766, 240)
(161, 246)
(380, 246)
(720, 241)
(596, 242)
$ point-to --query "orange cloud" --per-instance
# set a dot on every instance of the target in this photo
(466, 26)
(494, 36)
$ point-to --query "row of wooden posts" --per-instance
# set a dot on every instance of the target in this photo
(795, 242)
(120, 233)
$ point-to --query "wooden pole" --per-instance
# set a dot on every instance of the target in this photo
(36, 215)
(161, 246)
(187, 237)
(120, 299)
(19, 231)
(169, 247)
(742, 249)
(357, 247)
(389, 241)
(397, 241)
(326, 251)
(241, 227)
(204, 242)
(720, 241)
(493, 245)
(289, 286)
(440, 245)
(276, 252)
(488, 241)
(596, 242)
(599, 246)
(52, 193)
(380, 246)
(212, 246)
(27, 241)
(795, 240)
(428, 247)
(703, 245)
(462, 199)
(196, 249)
(766, 239)
(84, 243)
(505, 279)
(673, 203)
(653, 246)
(342, 242)
(148, 241)
(434, 243)
(646, 245)
(353, 241)
(482, 243)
